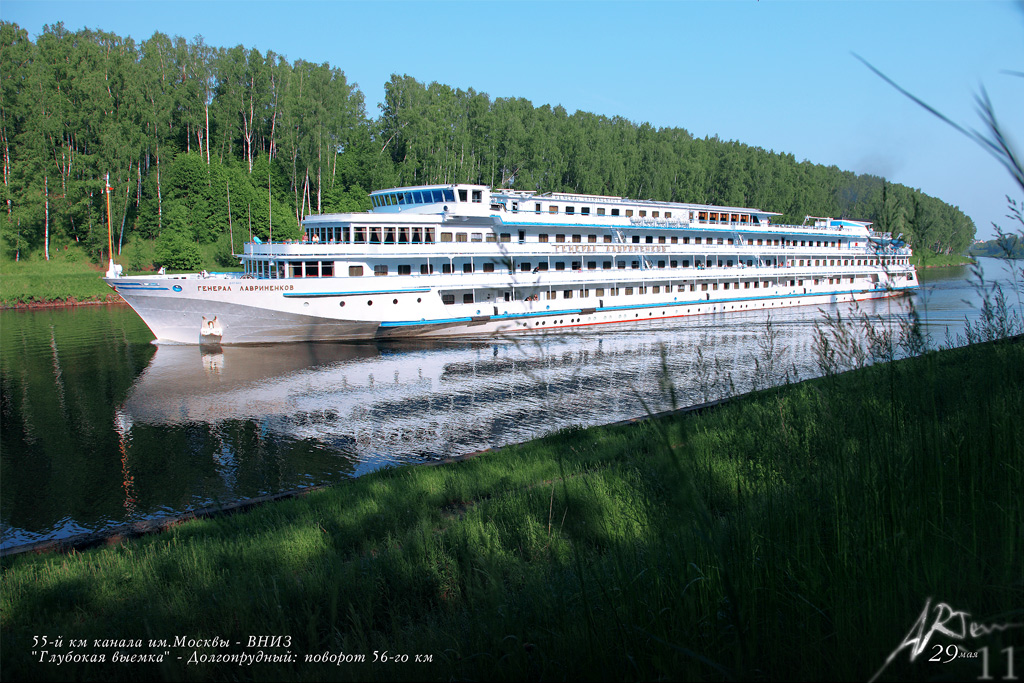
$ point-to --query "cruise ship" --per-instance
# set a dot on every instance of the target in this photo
(454, 259)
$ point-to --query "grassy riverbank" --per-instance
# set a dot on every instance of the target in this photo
(792, 534)
(929, 260)
(58, 281)
(70, 277)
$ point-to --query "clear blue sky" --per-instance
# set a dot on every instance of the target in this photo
(774, 74)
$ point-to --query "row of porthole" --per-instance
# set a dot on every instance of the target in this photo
(369, 302)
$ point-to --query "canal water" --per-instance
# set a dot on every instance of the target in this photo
(99, 427)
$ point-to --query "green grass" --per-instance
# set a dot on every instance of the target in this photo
(69, 276)
(60, 279)
(791, 534)
(922, 259)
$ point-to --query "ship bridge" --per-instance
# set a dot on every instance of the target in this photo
(452, 199)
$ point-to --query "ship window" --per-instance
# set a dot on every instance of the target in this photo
(567, 294)
(374, 235)
(570, 209)
(668, 214)
(600, 211)
(686, 240)
(550, 295)
(577, 238)
(312, 269)
(467, 267)
(355, 271)
(542, 238)
(463, 195)
(403, 235)
(491, 237)
(654, 214)
(488, 267)
(446, 237)
(426, 269)
(636, 239)
(477, 198)
(559, 238)
(380, 270)
(448, 195)
(542, 266)
(585, 210)
(515, 207)
(591, 265)
(448, 299)
(536, 207)
(389, 235)
(428, 236)
(727, 285)
(621, 264)
(460, 237)
(607, 239)
(696, 240)
(506, 237)
(704, 287)
(477, 237)
(295, 268)
(615, 212)
(629, 212)
(404, 270)
(591, 238)
(641, 290)
(467, 298)
(642, 213)
(607, 265)
(714, 286)
(360, 235)
(446, 268)
(629, 291)
(576, 265)
(650, 239)
(656, 289)
(720, 240)
(559, 265)
(525, 266)
(635, 265)
(661, 264)
(552, 208)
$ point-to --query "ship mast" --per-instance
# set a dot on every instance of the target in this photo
(112, 270)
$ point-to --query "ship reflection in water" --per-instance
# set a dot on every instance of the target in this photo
(372, 405)
(203, 426)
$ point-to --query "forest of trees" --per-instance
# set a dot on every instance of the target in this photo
(206, 144)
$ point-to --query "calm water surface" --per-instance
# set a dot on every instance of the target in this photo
(99, 427)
